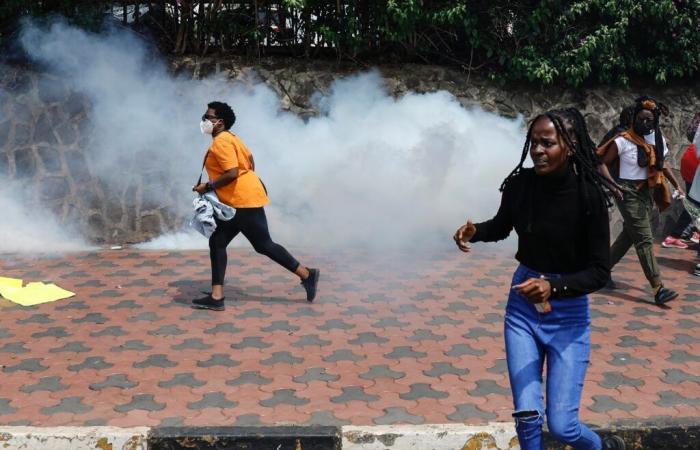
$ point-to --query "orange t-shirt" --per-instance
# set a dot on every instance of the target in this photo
(228, 152)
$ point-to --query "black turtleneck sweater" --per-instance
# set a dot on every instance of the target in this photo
(558, 230)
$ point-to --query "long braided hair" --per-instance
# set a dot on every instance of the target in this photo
(571, 127)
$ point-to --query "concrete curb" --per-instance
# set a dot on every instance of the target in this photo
(70, 438)
(682, 434)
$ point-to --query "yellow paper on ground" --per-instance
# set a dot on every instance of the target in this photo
(36, 293)
(9, 285)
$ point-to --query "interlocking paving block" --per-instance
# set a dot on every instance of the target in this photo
(606, 403)
(443, 320)
(5, 334)
(26, 365)
(464, 349)
(682, 356)
(613, 380)
(335, 324)
(191, 343)
(310, 340)
(182, 379)
(368, 337)
(404, 351)
(249, 377)
(389, 322)
(499, 366)
(358, 310)
(49, 384)
(352, 393)
(75, 304)
(441, 368)
(73, 347)
(251, 342)
(212, 400)
(91, 318)
(343, 355)
(625, 359)
(642, 311)
(57, 332)
(174, 421)
(218, 359)
(6, 408)
(393, 415)
(132, 345)
(426, 335)
(685, 339)
(147, 316)
(223, 328)
(143, 402)
(316, 374)
(305, 311)
(125, 304)
(407, 308)
(283, 397)
(634, 341)
(167, 330)
(248, 420)
(688, 324)
(14, 347)
(636, 325)
(117, 380)
(37, 318)
(280, 325)
(459, 306)
(72, 405)
(486, 387)
(114, 331)
(326, 418)
(91, 362)
(477, 332)
(281, 358)
(381, 371)
(673, 398)
(253, 312)
(677, 376)
(466, 411)
(157, 360)
(423, 390)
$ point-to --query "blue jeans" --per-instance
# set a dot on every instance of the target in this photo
(562, 338)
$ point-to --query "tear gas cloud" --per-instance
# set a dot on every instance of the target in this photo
(369, 171)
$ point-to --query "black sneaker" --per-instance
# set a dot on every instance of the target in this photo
(696, 272)
(209, 303)
(613, 443)
(310, 284)
(664, 295)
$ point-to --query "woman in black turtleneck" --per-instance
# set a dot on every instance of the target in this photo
(559, 211)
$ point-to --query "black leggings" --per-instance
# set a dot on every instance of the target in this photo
(253, 224)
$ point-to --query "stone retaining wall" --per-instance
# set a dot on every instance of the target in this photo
(43, 143)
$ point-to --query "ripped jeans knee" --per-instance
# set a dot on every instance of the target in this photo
(528, 417)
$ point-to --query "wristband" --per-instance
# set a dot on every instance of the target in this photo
(209, 186)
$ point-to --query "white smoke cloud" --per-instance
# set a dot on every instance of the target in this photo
(371, 170)
(27, 229)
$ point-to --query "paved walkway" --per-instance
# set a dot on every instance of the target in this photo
(388, 341)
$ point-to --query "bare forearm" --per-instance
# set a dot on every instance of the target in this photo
(671, 178)
(225, 178)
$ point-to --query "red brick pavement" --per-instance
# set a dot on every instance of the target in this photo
(389, 340)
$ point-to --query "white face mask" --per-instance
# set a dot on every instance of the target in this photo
(206, 126)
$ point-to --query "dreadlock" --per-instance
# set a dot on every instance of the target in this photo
(571, 126)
